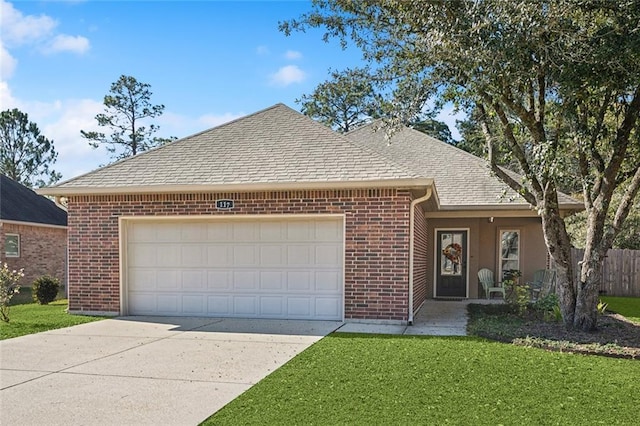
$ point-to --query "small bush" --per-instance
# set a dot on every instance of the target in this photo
(45, 289)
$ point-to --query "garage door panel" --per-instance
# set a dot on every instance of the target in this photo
(193, 279)
(271, 281)
(255, 268)
(245, 280)
(219, 280)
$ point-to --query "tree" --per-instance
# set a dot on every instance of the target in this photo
(552, 81)
(127, 106)
(26, 155)
(345, 102)
(435, 129)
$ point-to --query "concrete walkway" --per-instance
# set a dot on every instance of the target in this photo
(137, 370)
(435, 318)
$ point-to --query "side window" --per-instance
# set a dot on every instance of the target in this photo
(509, 250)
(12, 245)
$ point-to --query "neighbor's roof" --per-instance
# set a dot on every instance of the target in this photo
(19, 203)
(463, 181)
(272, 147)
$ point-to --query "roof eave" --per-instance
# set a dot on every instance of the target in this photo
(235, 187)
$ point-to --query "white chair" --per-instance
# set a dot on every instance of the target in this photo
(488, 283)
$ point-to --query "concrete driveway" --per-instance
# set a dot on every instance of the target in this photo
(143, 370)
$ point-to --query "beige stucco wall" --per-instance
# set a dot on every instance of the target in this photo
(483, 241)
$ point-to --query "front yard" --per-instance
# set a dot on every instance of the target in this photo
(28, 317)
(373, 379)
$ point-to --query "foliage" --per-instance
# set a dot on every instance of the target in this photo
(434, 128)
(554, 83)
(34, 318)
(25, 155)
(345, 102)
(45, 289)
(127, 105)
(8, 287)
(517, 294)
(370, 379)
(602, 307)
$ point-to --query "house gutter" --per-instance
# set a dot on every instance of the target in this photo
(412, 220)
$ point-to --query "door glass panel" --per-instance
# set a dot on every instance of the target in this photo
(451, 255)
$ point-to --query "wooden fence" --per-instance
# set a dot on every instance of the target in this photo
(620, 272)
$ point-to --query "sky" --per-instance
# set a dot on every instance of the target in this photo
(208, 62)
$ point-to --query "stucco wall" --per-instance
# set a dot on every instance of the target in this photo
(483, 246)
(376, 241)
(43, 251)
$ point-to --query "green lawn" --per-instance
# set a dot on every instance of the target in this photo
(371, 379)
(29, 318)
(628, 307)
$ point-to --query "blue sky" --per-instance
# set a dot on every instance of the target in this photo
(208, 62)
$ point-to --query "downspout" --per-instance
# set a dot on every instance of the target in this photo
(412, 220)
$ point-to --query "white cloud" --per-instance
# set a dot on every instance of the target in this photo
(292, 54)
(66, 43)
(173, 124)
(287, 75)
(7, 63)
(19, 29)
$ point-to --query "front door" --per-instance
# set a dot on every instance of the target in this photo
(451, 263)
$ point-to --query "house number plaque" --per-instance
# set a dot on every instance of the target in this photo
(224, 204)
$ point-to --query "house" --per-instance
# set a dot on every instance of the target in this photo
(33, 231)
(276, 216)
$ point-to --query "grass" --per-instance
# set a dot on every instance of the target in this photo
(628, 307)
(372, 379)
(28, 317)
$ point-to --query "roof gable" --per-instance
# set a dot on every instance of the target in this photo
(272, 146)
(21, 204)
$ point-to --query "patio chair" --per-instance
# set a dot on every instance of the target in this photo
(544, 281)
(489, 284)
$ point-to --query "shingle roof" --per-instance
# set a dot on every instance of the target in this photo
(19, 203)
(275, 145)
(462, 180)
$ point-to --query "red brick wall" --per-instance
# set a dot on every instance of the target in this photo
(420, 259)
(376, 246)
(43, 251)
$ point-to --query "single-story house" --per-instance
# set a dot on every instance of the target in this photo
(33, 231)
(276, 216)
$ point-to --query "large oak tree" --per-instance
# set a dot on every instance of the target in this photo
(554, 82)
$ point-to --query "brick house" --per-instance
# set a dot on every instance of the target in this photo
(276, 216)
(33, 231)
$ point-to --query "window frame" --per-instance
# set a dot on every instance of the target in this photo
(6, 238)
(502, 259)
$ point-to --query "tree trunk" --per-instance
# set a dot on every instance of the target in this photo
(558, 243)
(587, 291)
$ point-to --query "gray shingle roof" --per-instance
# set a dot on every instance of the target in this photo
(461, 179)
(21, 204)
(275, 145)
(279, 146)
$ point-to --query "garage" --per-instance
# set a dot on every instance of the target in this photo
(248, 267)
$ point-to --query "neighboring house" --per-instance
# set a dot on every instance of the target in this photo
(33, 231)
(276, 216)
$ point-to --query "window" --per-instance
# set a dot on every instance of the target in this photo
(12, 245)
(509, 250)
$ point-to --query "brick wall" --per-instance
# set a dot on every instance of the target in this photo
(43, 251)
(376, 246)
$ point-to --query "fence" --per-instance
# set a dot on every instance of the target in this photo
(620, 272)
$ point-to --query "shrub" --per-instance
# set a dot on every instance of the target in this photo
(8, 287)
(45, 289)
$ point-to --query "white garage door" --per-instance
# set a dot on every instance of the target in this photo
(258, 268)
